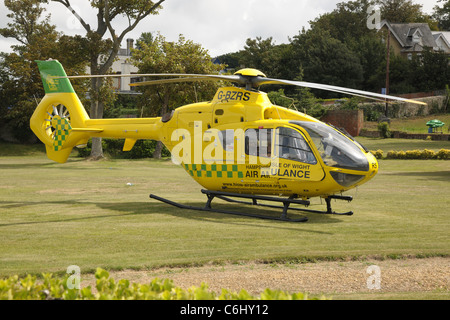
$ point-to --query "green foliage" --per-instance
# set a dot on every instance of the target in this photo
(308, 103)
(402, 11)
(339, 49)
(378, 154)
(279, 98)
(371, 114)
(443, 154)
(107, 288)
(124, 105)
(21, 86)
(351, 104)
(325, 59)
(383, 128)
(442, 14)
(156, 55)
(347, 21)
(113, 147)
(183, 56)
(430, 70)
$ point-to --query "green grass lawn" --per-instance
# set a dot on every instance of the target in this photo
(84, 213)
(413, 124)
(402, 144)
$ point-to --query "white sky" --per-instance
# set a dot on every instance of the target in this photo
(220, 26)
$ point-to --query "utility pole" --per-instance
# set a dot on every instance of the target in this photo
(387, 70)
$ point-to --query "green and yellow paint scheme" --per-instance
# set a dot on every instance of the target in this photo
(238, 142)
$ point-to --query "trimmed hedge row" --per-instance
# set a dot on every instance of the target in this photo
(53, 288)
(113, 147)
(443, 154)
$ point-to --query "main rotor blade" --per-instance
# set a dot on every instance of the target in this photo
(165, 81)
(360, 93)
(235, 78)
(252, 81)
(124, 75)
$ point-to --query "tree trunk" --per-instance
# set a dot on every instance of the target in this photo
(159, 145)
(96, 113)
(158, 150)
(97, 150)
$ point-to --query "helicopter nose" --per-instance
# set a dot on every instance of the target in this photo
(373, 165)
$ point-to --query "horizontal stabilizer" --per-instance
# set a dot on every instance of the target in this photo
(87, 130)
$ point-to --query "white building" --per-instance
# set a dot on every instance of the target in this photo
(442, 39)
(122, 65)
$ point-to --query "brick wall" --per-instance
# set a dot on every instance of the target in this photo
(351, 120)
(423, 136)
(404, 135)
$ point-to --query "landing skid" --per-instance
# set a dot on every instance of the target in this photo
(226, 196)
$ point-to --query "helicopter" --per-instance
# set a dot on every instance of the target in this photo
(237, 146)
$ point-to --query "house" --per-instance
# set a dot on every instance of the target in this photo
(409, 39)
(442, 39)
(122, 65)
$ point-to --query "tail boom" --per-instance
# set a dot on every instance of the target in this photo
(61, 122)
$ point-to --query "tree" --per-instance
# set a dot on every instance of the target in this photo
(183, 56)
(21, 82)
(326, 60)
(431, 70)
(402, 11)
(103, 52)
(348, 22)
(258, 54)
(372, 54)
(442, 15)
(230, 60)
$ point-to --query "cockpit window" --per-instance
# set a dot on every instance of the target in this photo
(291, 145)
(335, 149)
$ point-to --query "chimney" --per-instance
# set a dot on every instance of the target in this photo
(129, 46)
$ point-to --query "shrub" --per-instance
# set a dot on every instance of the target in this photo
(391, 154)
(383, 128)
(427, 154)
(378, 154)
(412, 154)
(372, 115)
(401, 155)
(52, 288)
(443, 154)
(113, 147)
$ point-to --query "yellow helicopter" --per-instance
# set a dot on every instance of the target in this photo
(238, 145)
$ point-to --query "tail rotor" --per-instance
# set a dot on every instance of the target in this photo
(58, 113)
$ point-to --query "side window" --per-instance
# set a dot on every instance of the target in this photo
(227, 139)
(291, 145)
(258, 142)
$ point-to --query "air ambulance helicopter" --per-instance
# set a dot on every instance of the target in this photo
(238, 145)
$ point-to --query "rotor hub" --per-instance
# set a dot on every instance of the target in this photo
(249, 76)
(249, 72)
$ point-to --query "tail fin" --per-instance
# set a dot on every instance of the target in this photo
(61, 122)
(59, 113)
(49, 70)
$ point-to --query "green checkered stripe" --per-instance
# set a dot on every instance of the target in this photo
(61, 133)
(214, 170)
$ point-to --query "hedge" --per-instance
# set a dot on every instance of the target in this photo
(113, 147)
(443, 154)
(54, 288)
